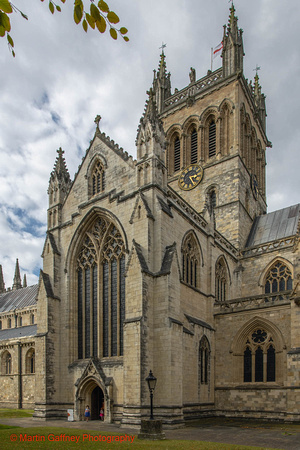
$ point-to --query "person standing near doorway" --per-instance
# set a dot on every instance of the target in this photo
(87, 413)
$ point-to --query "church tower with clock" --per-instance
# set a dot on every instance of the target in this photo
(216, 125)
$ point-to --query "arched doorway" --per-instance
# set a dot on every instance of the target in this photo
(97, 401)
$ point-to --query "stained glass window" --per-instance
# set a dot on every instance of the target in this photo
(259, 357)
(279, 278)
(101, 295)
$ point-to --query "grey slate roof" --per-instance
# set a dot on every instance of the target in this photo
(275, 225)
(19, 332)
(20, 298)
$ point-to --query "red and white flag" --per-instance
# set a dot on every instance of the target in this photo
(217, 50)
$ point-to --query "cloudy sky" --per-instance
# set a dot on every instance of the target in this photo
(62, 78)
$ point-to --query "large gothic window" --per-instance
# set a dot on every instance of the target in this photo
(259, 357)
(101, 291)
(279, 278)
(221, 281)
(190, 260)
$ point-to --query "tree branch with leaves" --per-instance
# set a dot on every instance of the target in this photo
(99, 17)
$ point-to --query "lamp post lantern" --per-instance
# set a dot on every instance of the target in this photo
(151, 380)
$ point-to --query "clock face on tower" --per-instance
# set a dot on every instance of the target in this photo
(190, 177)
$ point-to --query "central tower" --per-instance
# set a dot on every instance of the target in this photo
(219, 123)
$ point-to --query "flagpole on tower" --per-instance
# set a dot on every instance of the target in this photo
(211, 58)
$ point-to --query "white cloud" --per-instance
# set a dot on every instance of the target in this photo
(62, 78)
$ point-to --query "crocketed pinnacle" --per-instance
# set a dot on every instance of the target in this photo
(17, 284)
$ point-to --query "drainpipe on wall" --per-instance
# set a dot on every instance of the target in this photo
(20, 393)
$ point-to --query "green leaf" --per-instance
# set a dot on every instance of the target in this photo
(112, 17)
(90, 20)
(95, 12)
(2, 31)
(10, 41)
(4, 21)
(126, 38)
(13, 53)
(5, 6)
(24, 15)
(58, 8)
(101, 24)
(85, 25)
(113, 33)
(51, 7)
(103, 6)
(77, 14)
(63, 1)
(123, 30)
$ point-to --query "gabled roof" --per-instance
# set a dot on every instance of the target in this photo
(18, 299)
(275, 225)
(19, 332)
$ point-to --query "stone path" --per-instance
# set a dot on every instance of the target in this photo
(276, 436)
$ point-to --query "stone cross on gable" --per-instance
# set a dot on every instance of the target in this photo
(60, 151)
(97, 120)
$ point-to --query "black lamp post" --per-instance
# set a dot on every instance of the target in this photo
(151, 380)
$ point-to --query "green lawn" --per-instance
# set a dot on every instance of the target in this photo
(13, 413)
(61, 438)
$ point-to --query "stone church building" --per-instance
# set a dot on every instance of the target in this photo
(169, 262)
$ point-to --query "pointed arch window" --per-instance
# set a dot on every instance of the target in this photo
(98, 178)
(101, 292)
(204, 361)
(190, 261)
(6, 363)
(221, 281)
(177, 154)
(259, 357)
(278, 278)
(212, 139)
(30, 361)
(194, 146)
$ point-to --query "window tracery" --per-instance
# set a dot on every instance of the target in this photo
(190, 261)
(259, 357)
(98, 178)
(278, 278)
(221, 281)
(101, 291)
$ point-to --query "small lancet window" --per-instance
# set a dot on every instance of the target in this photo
(190, 261)
(98, 178)
(212, 139)
(221, 281)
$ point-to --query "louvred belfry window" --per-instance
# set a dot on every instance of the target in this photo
(101, 291)
(212, 139)
(176, 154)
(194, 147)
